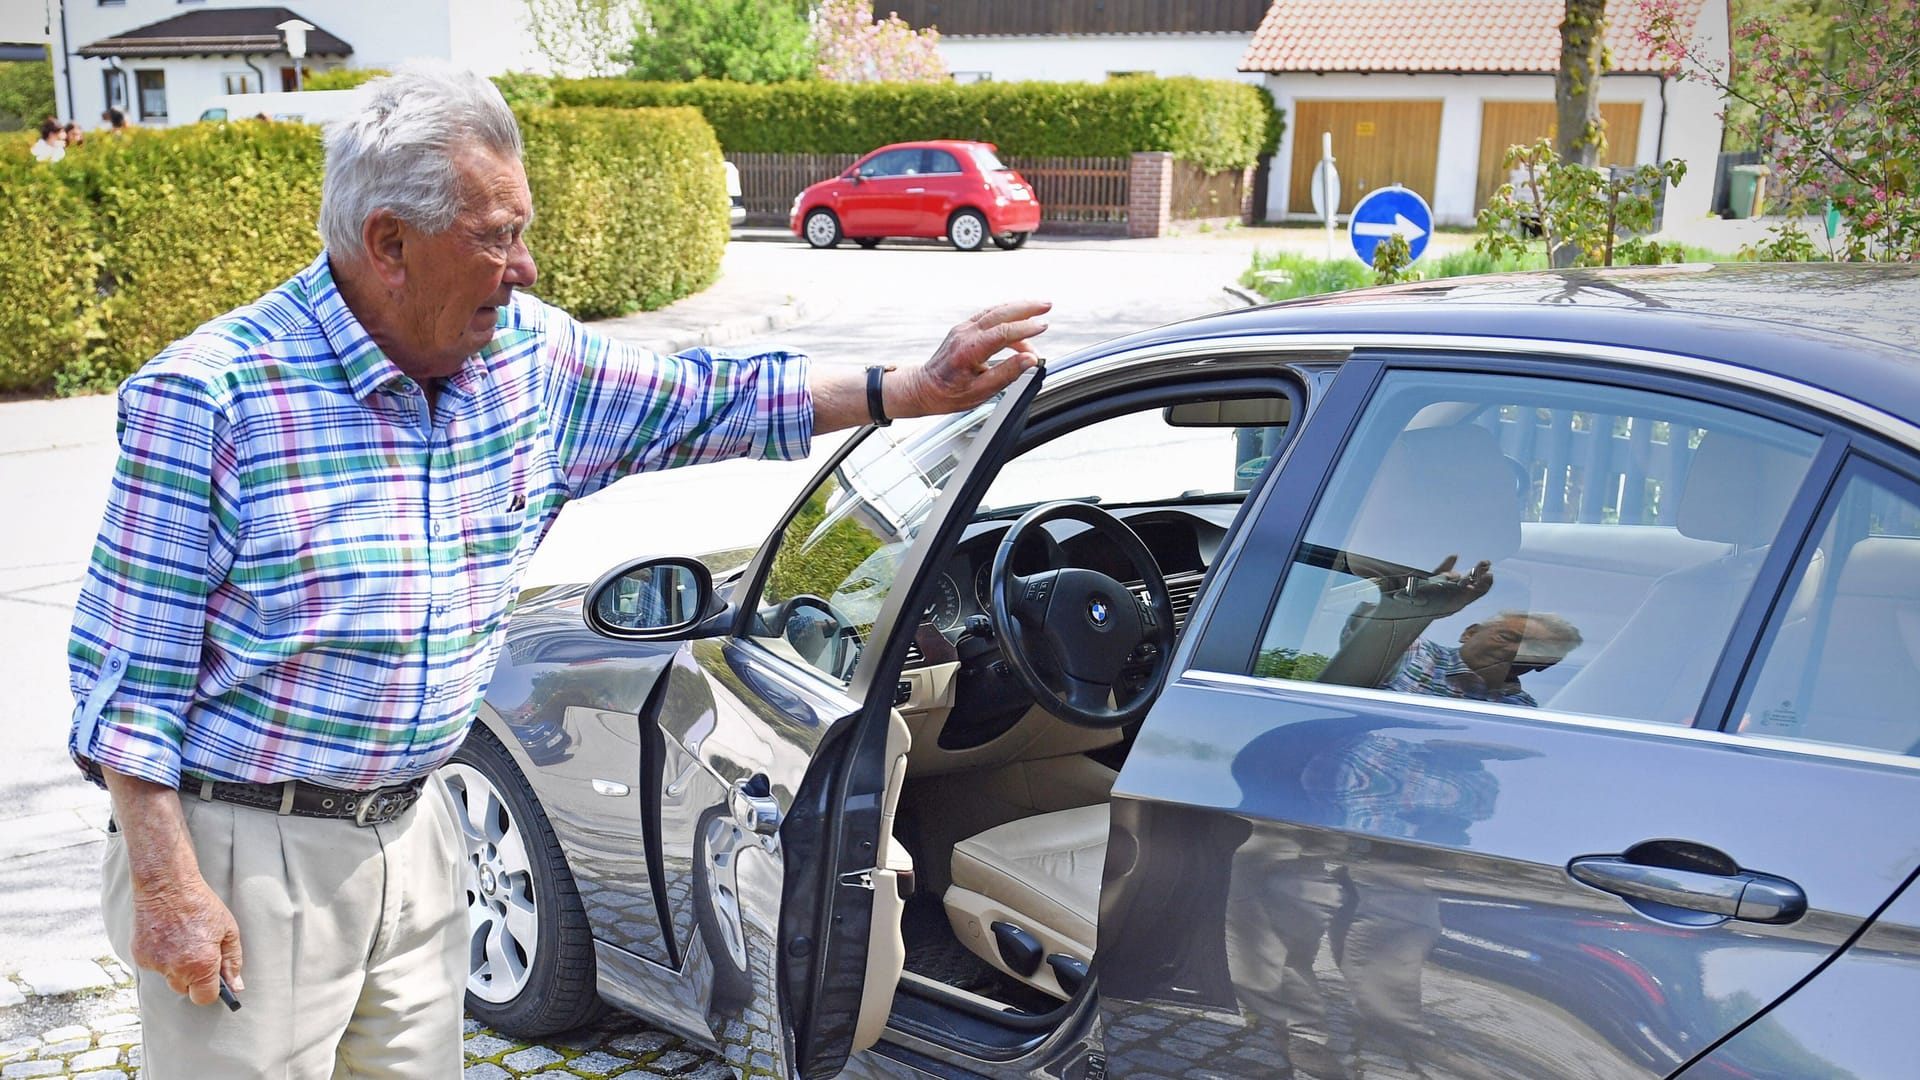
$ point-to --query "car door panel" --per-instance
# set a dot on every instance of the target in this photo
(1395, 875)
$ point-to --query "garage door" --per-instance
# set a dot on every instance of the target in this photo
(1375, 144)
(1509, 123)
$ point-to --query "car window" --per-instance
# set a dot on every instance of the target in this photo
(939, 161)
(1140, 456)
(1842, 663)
(838, 555)
(1535, 543)
(891, 163)
(986, 159)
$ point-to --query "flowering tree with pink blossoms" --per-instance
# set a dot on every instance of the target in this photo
(1838, 127)
(856, 48)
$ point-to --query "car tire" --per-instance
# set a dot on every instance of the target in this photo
(822, 228)
(967, 230)
(867, 242)
(1012, 241)
(548, 981)
(716, 910)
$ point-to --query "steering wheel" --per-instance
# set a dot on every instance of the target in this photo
(819, 632)
(1077, 628)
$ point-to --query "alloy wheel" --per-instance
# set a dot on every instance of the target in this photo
(503, 909)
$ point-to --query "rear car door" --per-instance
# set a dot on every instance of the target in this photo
(1442, 787)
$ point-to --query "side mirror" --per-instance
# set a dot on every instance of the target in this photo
(661, 599)
(853, 176)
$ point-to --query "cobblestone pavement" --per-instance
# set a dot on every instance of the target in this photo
(105, 1044)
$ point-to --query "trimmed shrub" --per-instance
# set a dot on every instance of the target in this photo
(630, 206)
(1216, 124)
(47, 271)
(133, 241)
(342, 78)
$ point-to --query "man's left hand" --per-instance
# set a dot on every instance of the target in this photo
(963, 372)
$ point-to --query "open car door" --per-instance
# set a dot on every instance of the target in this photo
(812, 750)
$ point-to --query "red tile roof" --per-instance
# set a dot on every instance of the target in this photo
(1437, 35)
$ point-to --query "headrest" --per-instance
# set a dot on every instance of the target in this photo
(1737, 490)
(1440, 491)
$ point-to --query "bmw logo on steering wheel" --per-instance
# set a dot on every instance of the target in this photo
(1097, 611)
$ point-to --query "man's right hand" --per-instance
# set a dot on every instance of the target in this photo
(181, 929)
(1433, 596)
(186, 934)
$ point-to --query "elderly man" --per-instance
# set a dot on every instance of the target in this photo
(323, 502)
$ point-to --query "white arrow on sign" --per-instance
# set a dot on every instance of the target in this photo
(1380, 228)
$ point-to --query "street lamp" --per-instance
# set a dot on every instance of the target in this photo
(296, 31)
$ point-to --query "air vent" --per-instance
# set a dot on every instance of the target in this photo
(1181, 589)
(915, 658)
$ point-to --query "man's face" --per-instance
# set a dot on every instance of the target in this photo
(1508, 641)
(458, 280)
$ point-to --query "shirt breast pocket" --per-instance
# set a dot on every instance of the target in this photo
(492, 557)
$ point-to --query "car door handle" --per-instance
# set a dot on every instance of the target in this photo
(753, 805)
(916, 191)
(1747, 896)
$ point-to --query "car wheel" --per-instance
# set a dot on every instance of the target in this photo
(822, 228)
(968, 230)
(868, 242)
(530, 961)
(1010, 241)
(716, 906)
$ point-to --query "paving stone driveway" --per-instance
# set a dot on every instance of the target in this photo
(106, 1046)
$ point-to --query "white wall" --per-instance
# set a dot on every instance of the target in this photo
(23, 20)
(1461, 97)
(1088, 58)
(486, 35)
(1694, 127)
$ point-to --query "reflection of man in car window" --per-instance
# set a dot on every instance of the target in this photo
(1382, 644)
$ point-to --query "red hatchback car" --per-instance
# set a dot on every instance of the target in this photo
(945, 187)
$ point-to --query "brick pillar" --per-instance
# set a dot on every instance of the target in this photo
(1150, 194)
(1246, 195)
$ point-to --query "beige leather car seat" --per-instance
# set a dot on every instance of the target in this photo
(1026, 896)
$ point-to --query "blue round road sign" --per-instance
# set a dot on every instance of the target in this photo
(1386, 211)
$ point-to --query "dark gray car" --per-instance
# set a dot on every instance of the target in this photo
(1490, 678)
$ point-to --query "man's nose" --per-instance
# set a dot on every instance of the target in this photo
(521, 273)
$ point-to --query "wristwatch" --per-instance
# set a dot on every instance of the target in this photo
(876, 401)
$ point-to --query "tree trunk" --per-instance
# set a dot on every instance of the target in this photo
(1578, 134)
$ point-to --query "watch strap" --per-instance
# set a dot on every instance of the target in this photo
(876, 400)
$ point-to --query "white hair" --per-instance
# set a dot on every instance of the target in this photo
(399, 151)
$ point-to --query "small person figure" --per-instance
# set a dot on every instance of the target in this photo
(53, 141)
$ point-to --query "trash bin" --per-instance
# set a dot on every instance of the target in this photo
(1747, 190)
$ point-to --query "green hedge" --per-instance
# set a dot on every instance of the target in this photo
(1215, 123)
(630, 206)
(135, 239)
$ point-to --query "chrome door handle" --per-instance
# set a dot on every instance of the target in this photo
(1747, 896)
(753, 805)
(916, 191)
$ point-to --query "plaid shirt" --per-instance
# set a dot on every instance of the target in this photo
(1438, 670)
(303, 573)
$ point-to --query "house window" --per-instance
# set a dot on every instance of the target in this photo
(113, 86)
(966, 77)
(150, 88)
(240, 82)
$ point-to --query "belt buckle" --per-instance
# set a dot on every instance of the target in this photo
(381, 806)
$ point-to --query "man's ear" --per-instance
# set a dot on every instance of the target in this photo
(1471, 627)
(385, 237)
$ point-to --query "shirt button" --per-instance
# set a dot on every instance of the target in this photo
(439, 609)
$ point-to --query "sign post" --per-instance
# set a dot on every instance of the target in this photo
(296, 31)
(1384, 212)
(1326, 189)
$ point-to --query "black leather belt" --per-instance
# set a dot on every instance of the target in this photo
(302, 799)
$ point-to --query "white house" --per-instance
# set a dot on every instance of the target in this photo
(1087, 40)
(160, 61)
(1429, 94)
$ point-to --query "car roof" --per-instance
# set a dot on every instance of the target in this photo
(1852, 328)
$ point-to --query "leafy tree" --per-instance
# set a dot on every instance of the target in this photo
(1579, 132)
(1393, 261)
(26, 93)
(754, 41)
(1592, 214)
(583, 38)
(1836, 120)
(854, 47)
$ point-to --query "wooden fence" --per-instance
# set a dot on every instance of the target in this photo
(1201, 194)
(1074, 192)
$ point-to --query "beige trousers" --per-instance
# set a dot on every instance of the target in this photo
(353, 947)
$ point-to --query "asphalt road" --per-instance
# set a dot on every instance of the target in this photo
(892, 304)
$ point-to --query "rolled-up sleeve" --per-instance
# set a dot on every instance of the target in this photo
(165, 541)
(617, 409)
